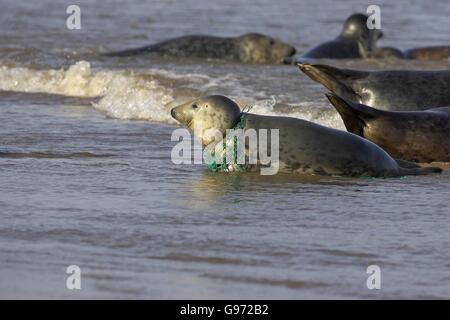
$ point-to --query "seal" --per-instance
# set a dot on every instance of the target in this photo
(355, 41)
(429, 53)
(304, 147)
(419, 136)
(248, 48)
(396, 90)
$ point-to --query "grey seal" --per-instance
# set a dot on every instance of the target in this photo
(420, 136)
(304, 147)
(396, 90)
(248, 48)
(354, 41)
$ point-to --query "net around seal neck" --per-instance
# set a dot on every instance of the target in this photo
(222, 165)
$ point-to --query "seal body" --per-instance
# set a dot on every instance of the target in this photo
(429, 53)
(304, 147)
(397, 90)
(386, 53)
(420, 136)
(249, 48)
(355, 41)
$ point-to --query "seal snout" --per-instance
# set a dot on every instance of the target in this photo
(176, 114)
(304, 66)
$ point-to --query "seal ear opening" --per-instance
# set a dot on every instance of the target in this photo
(334, 79)
(354, 115)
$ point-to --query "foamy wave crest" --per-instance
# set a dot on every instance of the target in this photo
(318, 112)
(125, 95)
(136, 98)
(78, 80)
(150, 94)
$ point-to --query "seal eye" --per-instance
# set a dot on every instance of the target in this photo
(194, 106)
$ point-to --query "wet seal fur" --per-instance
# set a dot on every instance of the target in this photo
(305, 147)
(355, 41)
(396, 90)
(420, 136)
(248, 48)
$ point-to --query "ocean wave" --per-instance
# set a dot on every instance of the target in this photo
(150, 94)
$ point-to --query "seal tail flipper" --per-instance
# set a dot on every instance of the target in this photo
(419, 171)
(354, 115)
(336, 80)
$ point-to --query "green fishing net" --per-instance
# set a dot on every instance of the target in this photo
(222, 165)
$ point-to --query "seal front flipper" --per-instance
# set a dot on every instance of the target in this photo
(355, 41)
(334, 79)
(355, 115)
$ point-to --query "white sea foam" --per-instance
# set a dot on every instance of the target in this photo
(78, 80)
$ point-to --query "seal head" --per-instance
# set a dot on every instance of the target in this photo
(258, 48)
(210, 112)
(355, 30)
(356, 40)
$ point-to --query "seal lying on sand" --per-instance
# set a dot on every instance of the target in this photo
(355, 41)
(420, 136)
(249, 48)
(304, 147)
(398, 90)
